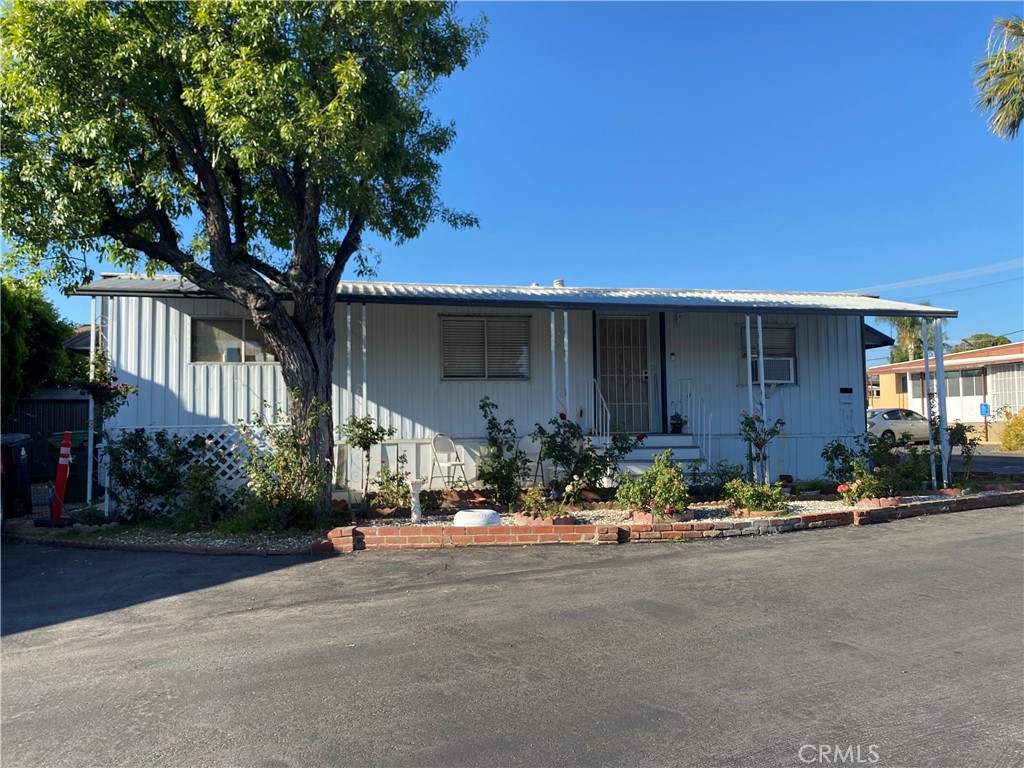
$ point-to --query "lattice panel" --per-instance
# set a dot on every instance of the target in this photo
(225, 449)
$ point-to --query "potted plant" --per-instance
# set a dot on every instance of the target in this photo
(675, 422)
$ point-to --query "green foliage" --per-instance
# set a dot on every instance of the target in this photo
(882, 467)
(962, 436)
(999, 78)
(392, 485)
(504, 467)
(840, 458)
(979, 341)
(361, 433)
(708, 480)
(757, 497)
(148, 472)
(577, 463)
(32, 337)
(90, 515)
(109, 396)
(1011, 438)
(661, 489)
(282, 473)
(758, 434)
(537, 503)
(197, 505)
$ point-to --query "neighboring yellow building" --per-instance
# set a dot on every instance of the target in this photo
(993, 376)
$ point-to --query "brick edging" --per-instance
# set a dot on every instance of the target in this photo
(353, 538)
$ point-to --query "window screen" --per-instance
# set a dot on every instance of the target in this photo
(485, 348)
(229, 340)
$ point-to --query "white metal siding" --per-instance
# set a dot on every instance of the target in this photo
(829, 357)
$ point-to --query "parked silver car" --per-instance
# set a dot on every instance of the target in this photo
(893, 422)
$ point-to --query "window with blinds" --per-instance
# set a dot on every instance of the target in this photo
(779, 359)
(485, 348)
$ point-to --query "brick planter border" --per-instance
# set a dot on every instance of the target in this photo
(354, 538)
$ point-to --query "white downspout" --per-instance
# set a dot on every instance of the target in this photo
(565, 354)
(927, 399)
(554, 374)
(764, 400)
(348, 361)
(111, 329)
(92, 403)
(940, 380)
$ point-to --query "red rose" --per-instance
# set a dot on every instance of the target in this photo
(561, 416)
(640, 438)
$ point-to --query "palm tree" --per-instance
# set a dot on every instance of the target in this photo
(908, 337)
(1000, 77)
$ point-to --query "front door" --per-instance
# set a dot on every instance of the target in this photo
(623, 372)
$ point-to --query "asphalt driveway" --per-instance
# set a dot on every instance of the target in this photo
(902, 641)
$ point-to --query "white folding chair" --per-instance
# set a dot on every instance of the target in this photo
(447, 461)
(536, 453)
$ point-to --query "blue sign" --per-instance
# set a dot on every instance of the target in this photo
(984, 409)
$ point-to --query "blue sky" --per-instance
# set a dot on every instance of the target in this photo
(791, 146)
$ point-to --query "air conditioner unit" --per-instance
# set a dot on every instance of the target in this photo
(777, 370)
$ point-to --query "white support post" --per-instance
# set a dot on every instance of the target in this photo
(554, 374)
(750, 376)
(926, 393)
(565, 361)
(366, 406)
(764, 400)
(348, 361)
(112, 330)
(940, 380)
(92, 403)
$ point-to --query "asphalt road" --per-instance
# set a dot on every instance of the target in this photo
(901, 640)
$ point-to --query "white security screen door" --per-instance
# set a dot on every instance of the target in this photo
(623, 372)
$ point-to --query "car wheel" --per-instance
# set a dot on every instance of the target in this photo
(889, 435)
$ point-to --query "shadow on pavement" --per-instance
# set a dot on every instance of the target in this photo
(40, 586)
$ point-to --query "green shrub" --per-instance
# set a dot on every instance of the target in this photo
(707, 481)
(393, 489)
(840, 457)
(198, 504)
(1012, 436)
(537, 503)
(661, 489)
(505, 467)
(148, 471)
(577, 463)
(256, 516)
(755, 496)
(281, 473)
(360, 432)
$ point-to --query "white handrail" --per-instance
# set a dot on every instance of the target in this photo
(698, 412)
(602, 415)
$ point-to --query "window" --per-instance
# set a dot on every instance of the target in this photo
(874, 386)
(953, 384)
(971, 383)
(485, 348)
(779, 360)
(229, 340)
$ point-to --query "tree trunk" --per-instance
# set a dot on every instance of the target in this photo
(304, 343)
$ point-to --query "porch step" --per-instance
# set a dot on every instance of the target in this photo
(684, 449)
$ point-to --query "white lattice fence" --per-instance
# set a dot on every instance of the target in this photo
(224, 450)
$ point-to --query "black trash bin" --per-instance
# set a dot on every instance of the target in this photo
(16, 486)
(78, 472)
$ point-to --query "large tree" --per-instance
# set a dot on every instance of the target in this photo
(999, 77)
(277, 133)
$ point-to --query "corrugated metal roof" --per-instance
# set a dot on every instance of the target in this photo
(560, 297)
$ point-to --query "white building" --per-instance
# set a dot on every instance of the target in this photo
(420, 357)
